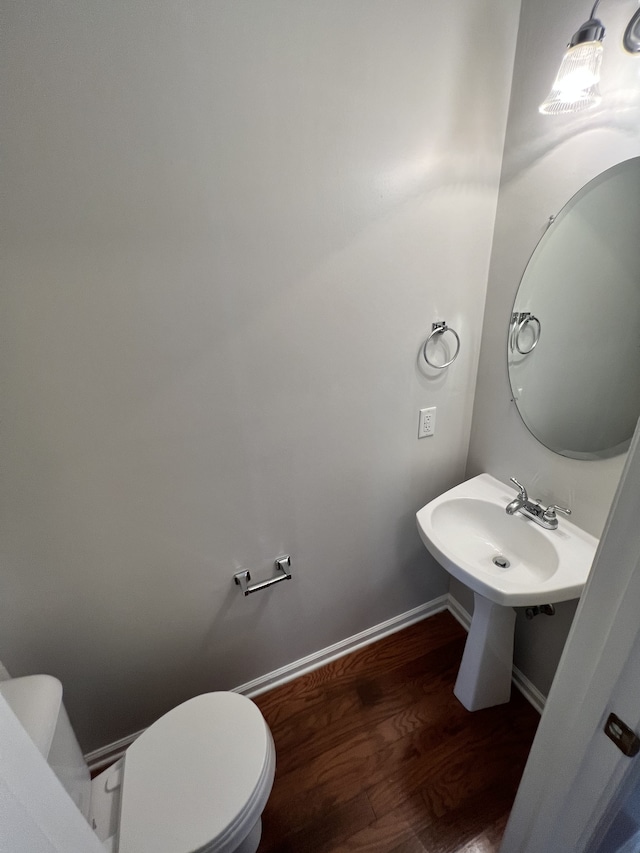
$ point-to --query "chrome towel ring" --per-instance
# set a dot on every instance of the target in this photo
(440, 328)
(519, 324)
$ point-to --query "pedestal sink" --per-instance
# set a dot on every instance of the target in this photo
(508, 561)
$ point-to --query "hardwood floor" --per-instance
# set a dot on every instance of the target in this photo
(376, 754)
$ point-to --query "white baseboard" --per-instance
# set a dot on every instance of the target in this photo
(106, 755)
(344, 647)
(529, 690)
(99, 758)
(459, 613)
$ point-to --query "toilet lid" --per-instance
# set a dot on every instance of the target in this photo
(200, 774)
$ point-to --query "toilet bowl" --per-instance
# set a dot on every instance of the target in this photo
(196, 781)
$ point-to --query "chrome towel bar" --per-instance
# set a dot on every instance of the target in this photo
(282, 564)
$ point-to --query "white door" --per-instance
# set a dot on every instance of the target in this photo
(579, 791)
(620, 828)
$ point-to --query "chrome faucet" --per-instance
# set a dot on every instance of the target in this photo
(544, 516)
(517, 503)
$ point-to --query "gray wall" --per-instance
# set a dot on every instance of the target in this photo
(227, 230)
(546, 160)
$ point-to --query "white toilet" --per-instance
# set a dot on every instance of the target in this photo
(196, 781)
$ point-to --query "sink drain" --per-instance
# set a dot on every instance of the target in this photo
(501, 562)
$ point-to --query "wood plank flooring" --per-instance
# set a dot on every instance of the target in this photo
(374, 753)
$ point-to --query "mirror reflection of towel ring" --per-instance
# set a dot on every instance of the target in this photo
(631, 38)
(527, 318)
(440, 328)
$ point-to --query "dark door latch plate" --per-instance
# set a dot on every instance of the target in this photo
(624, 738)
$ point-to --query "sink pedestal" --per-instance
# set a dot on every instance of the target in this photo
(484, 677)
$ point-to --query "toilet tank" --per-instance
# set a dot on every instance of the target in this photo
(36, 700)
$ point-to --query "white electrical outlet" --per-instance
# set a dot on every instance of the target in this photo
(427, 422)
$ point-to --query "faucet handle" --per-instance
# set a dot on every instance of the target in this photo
(523, 492)
(550, 511)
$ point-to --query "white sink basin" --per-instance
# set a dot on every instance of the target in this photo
(508, 561)
(466, 528)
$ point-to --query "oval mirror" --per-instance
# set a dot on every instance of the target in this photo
(574, 339)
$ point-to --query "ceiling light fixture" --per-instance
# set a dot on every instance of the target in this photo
(576, 84)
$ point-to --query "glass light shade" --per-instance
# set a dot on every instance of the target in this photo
(576, 84)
